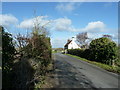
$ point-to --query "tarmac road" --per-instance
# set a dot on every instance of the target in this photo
(73, 73)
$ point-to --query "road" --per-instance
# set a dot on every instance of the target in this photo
(73, 73)
(0, 79)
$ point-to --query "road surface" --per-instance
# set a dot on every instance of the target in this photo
(73, 73)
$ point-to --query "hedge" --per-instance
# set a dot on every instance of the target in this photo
(79, 52)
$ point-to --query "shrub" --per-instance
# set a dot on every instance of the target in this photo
(39, 49)
(103, 50)
(23, 73)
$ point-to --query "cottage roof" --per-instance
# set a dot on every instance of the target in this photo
(68, 43)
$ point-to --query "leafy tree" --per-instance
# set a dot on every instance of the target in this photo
(103, 50)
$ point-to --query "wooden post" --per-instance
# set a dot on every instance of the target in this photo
(113, 63)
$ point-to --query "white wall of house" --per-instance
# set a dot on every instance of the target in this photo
(73, 45)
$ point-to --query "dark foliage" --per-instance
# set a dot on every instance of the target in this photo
(8, 52)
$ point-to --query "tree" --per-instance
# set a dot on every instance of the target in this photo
(82, 38)
(103, 50)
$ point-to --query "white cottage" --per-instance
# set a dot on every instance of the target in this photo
(71, 44)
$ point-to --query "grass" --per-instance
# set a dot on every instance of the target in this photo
(54, 52)
(114, 69)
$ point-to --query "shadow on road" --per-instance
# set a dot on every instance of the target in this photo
(68, 77)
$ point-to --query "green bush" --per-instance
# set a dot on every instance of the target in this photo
(103, 50)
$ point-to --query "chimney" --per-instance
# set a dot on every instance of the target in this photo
(73, 38)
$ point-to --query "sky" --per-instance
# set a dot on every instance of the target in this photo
(66, 19)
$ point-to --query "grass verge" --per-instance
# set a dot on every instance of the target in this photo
(114, 69)
(54, 52)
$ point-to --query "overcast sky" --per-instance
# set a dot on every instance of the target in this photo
(66, 19)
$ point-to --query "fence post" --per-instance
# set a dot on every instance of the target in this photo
(113, 63)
